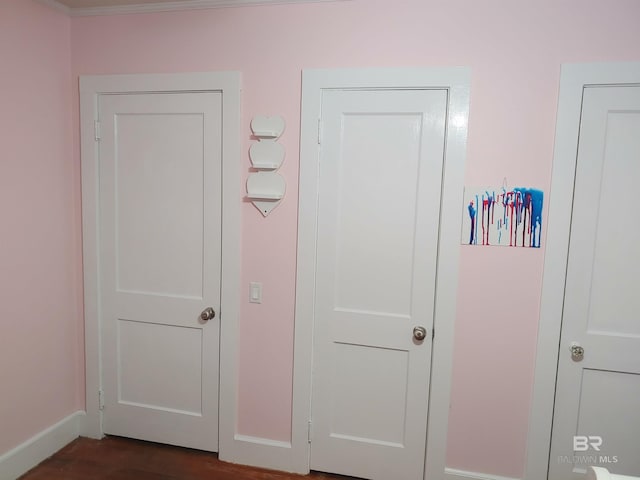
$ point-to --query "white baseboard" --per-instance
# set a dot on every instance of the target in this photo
(24, 457)
(453, 474)
(263, 441)
(264, 453)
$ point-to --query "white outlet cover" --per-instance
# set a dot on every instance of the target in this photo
(255, 292)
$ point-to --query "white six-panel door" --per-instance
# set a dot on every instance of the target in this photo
(598, 387)
(380, 174)
(160, 231)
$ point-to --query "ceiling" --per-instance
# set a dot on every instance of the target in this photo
(111, 7)
(111, 3)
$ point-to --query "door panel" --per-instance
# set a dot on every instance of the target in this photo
(609, 409)
(160, 198)
(169, 213)
(378, 215)
(368, 201)
(375, 377)
(597, 393)
(160, 359)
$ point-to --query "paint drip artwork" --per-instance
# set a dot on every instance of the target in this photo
(510, 217)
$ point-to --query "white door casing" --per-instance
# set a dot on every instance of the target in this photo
(454, 83)
(160, 231)
(226, 88)
(598, 391)
(575, 80)
(378, 210)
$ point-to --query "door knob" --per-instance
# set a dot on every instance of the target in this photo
(577, 352)
(419, 333)
(207, 314)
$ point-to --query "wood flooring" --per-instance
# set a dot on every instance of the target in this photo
(115, 458)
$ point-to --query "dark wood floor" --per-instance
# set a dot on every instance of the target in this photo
(115, 458)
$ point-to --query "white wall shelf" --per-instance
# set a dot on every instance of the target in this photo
(267, 127)
(266, 134)
(265, 188)
(265, 196)
(266, 155)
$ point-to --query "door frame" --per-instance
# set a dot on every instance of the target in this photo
(573, 79)
(228, 84)
(456, 80)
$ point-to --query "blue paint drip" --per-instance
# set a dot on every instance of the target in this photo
(472, 215)
(536, 197)
(475, 236)
(505, 210)
(491, 200)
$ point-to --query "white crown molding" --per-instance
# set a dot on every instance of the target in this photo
(56, 6)
(166, 6)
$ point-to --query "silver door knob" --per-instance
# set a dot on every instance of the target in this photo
(419, 333)
(577, 352)
(207, 314)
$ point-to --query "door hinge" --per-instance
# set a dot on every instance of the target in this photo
(433, 333)
(101, 399)
(96, 130)
(309, 431)
(319, 131)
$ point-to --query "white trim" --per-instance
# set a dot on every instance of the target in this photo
(56, 6)
(263, 441)
(263, 453)
(27, 455)
(167, 6)
(457, 81)
(572, 81)
(229, 84)
(454, 474)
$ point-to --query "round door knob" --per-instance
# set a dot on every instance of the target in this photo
(207, 314)
(419, 333)
(577, 352)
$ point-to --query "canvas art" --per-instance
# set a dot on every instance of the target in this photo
(502, 216)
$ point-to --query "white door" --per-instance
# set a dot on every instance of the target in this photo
(380, 175)
(598, 385)
(160, 214)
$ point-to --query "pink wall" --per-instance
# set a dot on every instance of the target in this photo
(515, 50)
(40, 364)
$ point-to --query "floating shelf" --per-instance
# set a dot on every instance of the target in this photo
(265, 190)
(266, 134)
(265, 166)
(265, 196)
(267, 127)
(266, 155)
